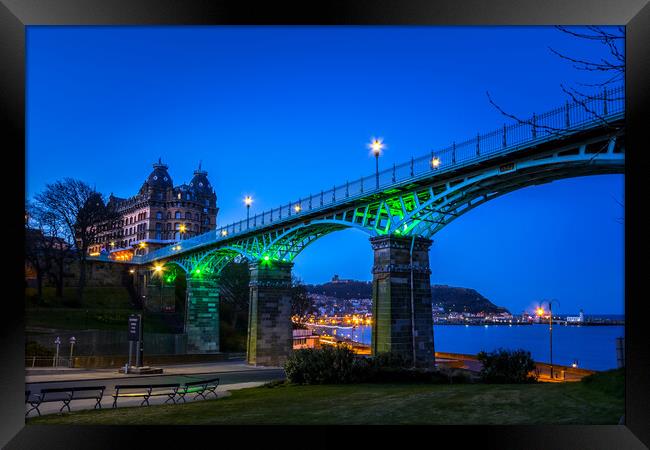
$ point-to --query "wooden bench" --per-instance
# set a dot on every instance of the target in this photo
(146, 391)
(199, 388)
(65, 395)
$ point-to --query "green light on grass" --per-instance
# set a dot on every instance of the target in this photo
(266, 258)
(197, 271)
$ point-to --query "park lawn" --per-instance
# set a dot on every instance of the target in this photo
(600, 401)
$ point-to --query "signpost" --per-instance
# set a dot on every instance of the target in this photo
(135, 335)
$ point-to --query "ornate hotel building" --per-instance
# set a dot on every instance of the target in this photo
(158, 215)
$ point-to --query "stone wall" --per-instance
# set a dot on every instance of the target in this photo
(103, 342)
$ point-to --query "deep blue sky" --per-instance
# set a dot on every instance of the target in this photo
(279, 112)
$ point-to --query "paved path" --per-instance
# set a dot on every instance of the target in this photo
(233, 375)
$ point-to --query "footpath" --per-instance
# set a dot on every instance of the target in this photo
(233, 375)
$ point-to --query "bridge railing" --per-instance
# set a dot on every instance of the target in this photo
(559, 122)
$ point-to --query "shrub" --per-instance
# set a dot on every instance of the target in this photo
(507, 366)
(328, 365)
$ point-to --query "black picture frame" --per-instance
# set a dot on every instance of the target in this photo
(15, 15)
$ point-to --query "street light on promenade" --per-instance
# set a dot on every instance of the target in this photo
(540, 312)
(248, 200)
(376, 146)
(182, 228)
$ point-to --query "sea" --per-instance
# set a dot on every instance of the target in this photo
(591, 347)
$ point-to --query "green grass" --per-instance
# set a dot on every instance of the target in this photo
(594, 402)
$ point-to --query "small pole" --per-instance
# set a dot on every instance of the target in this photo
(321, 197)
(534, 126)
(567, 119)
(377, 168)
(411, 166)
(333, 194)
(605, 100)
(73, 340)
(478, 148)
(550, 333)
(347, 188)
(504, 135)
(361, 184)
(57, 341)
(393, 172)
(453, 153)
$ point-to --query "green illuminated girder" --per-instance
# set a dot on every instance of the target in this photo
(419, 210)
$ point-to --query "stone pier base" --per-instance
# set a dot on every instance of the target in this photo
(269, 322)
(396, 326)
(202, 315)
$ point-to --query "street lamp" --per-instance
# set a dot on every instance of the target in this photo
(376, 146)
(159, 271)
(182, 229)
(540, 313)
(435, 162)
(248, 200)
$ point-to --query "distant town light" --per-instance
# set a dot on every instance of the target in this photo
(539, 311)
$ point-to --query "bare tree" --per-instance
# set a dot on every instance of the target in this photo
(612, 67)
(300, 302)
(79, 211)
(47, 248)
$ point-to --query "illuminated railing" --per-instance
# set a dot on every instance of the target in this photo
(557, 123)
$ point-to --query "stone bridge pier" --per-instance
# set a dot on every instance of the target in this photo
(270, 339)
(202, 314)
(401, 294)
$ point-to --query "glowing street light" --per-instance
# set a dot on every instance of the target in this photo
(435, 162)
(297, 208)
(248, 200)
(540, 312)
(376, 146)
(224, 233)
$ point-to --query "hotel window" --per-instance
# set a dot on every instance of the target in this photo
(177, 215)
(158, 215)
(207, 221)
(196, 217)
(159, 231)
(188, 216)
(169, 214)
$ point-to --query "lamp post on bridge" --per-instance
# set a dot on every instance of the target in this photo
(540, 313)
(376, 146)
(248, 200)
